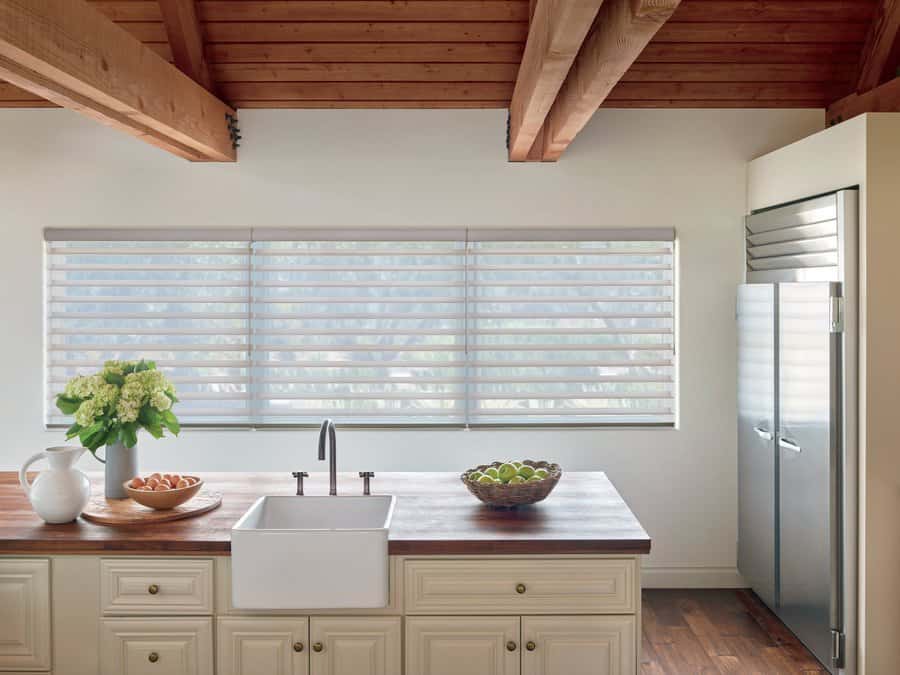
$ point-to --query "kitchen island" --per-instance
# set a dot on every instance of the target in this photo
(548, 589)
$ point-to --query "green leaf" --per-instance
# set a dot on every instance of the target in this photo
(73, 431)
(149, 415)
(93, 436)
(172, 397)
(112, 436)
(129, 434)
(67, 406)
(141, 366)
(114, 378)
(171, 422)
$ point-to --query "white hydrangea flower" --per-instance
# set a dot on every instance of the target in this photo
(87, 412)
(160, 401)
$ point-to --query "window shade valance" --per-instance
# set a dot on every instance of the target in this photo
(278, 326)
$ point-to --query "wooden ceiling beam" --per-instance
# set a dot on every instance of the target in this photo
(621, 31)
(69, 53)
(186, 40)
(885, 98)
(558, 27)
(881, 52)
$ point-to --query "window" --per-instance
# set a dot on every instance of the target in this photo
(371, 327)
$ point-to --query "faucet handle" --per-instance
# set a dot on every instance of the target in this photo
(367, 476)
(300, 475)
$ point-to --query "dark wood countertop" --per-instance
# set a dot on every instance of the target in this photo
(434, 515)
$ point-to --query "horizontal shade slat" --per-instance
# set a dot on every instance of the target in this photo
(149, 251)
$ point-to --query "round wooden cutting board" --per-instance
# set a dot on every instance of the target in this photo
(129, 512)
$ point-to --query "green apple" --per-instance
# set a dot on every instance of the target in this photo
(541, 473)
(492, 472)
(515, 480)
(526, 471)
(475, 475)
(534, 478)
(506, 471)
(487, 479)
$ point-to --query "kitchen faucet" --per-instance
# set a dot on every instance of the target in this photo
(328, 426)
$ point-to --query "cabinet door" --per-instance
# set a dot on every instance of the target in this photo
(355, 646)
(257, 646)
(462, 645)
(24, 615)
(156, 647)
(578, 645)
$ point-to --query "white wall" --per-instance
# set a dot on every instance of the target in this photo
(685, 169)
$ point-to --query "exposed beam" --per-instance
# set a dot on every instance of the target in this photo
(881, 52)
(885, 98)
(557, 29)
(621, 31)
(186, 40)
(69, 53)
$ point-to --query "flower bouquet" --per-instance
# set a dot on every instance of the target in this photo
(111, 406)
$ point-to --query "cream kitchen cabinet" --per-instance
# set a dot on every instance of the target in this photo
(172, 615)
(24, 614)
(355, 645)
(578, 645)
(263, 646)
(158, 646)
(463, 645)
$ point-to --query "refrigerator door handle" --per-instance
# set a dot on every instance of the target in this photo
(763, 433)
(788, 444)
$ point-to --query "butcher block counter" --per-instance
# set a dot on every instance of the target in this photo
(434, 515)
(549, 589)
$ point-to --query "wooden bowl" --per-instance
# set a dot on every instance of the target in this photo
(167, 499)
(512, 495)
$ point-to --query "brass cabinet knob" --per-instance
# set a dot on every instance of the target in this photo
(318, 647)
(153, 589)
(298, 646)
(153, 657)
(510, 646)
(520, 588)
(530, 646)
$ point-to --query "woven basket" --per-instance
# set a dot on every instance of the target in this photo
(518, 494)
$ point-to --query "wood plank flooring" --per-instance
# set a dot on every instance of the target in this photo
(706, 632)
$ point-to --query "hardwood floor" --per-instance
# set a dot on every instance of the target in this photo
(688, 632)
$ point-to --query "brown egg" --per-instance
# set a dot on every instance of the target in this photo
(190, 479)
(154, 475)
(162, 487)
(166, 482)
(182, 484)
(152, 482)
(174, 478)
(136, 482)
(145, 488)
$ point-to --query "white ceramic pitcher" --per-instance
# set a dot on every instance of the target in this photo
(59, 494)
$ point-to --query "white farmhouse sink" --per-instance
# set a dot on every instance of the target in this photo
(312, 553)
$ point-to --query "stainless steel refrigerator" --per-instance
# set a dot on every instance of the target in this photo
(796, 319)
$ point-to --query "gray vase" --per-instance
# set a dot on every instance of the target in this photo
(121, 465)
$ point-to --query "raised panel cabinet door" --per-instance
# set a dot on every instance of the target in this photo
(24, 615)
(166, 646)
(463, 645)
(355, 645)
(261, 646)
(517, 586)
(141, 587)
(579, 645)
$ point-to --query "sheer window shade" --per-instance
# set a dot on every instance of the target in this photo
(403, 327)
(183, 304)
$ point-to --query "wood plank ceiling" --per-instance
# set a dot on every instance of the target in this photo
(466, 53)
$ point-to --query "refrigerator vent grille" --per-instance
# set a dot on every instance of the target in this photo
(797, 242)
